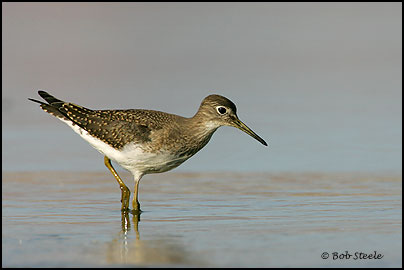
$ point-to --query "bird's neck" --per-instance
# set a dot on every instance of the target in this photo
(201, 124)
(198, 131)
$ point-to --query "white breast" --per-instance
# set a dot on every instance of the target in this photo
(132, 157)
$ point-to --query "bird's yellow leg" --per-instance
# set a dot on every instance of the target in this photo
(135, 202)
(124, 189)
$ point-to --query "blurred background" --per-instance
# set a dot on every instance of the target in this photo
(320, 82)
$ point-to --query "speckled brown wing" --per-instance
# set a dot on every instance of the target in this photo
(114, 127)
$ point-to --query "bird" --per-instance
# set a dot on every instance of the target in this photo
(145, 141)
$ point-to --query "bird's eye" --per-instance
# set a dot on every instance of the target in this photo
(221, 110)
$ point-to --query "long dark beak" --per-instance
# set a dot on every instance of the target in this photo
(240, 125)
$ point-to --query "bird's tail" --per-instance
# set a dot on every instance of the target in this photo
(52, 106)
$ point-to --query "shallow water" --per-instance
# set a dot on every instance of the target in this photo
(209, 219)
(321, 83)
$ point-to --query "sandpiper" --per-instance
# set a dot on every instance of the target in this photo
(145, 141)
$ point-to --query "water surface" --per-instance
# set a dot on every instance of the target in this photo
(201, 219)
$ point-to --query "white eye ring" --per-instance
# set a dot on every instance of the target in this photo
(221, 110)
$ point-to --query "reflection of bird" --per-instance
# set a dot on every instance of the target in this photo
(156, 250)
(126, 223)
(145, 141)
